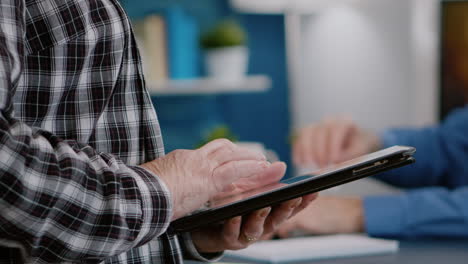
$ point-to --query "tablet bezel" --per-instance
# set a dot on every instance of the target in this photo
(372, 164)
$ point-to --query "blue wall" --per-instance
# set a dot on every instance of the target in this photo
(262, 117)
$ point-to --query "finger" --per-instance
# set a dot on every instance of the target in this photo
(216, 144)
(231, 232)
(322, 142)
(331, 130)
(252, 228)
(306, 201)
(229, 188)
(308, 147)
(272, 174)
(280, 214)
(230, 172)
(298, 147)
(328, 133)
(341, 140)
(223, 151)
(285, 229)
(319, 143)
(349, 140)
(227, 154)
(296, 150)
(337, 141)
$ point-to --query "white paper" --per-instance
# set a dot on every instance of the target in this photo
(313, 248)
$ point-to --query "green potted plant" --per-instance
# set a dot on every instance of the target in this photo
(226, 54)
(221, 131)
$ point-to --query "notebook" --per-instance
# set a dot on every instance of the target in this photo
(314, 248)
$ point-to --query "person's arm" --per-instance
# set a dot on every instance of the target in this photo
(426, 212)
(429, 212)
(441, 153)
(63, 201)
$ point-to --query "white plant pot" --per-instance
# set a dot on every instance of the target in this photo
(227, 64)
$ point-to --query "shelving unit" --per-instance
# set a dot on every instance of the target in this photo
(207, 86)
(285, 6)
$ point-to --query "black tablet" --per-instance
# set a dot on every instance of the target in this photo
(273, 194)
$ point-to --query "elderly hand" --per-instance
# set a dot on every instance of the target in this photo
(332, 141)
(327, 215)
(240, 232)
(195, 176)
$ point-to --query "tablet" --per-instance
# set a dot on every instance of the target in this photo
(274, 194)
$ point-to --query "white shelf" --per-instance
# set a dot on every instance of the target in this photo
(284, 6)
(207, 86)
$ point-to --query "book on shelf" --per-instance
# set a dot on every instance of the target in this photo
(169, 46)
(184, 50)
(152, 40)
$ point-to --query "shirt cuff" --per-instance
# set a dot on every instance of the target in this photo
(157, 204)
(191, 252)
(384, 215)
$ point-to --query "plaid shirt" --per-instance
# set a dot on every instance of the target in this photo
(75, 121)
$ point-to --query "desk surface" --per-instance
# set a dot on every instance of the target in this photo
(413, 252)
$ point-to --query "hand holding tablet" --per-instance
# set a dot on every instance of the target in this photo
(273, 194)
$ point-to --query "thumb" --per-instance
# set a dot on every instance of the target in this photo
(230, 172)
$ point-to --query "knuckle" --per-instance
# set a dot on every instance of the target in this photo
(224, 142)
(180, 153)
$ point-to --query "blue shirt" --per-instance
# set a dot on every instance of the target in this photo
(436, 201)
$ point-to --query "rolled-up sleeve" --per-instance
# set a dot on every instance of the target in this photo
(59, 200)
(441, 153)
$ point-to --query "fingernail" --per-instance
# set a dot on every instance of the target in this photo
(236, 220)
(263, 213)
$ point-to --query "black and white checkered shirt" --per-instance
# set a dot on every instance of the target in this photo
(75, 121)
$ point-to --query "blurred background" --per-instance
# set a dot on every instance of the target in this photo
(255, 71)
